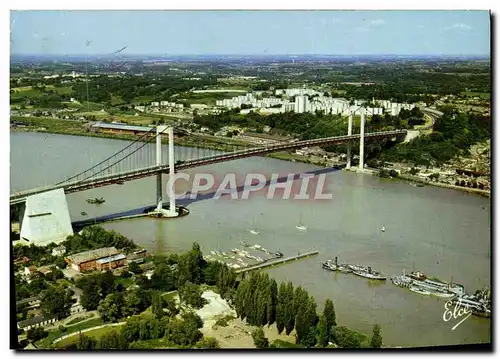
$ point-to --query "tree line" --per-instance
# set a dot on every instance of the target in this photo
(260, 301)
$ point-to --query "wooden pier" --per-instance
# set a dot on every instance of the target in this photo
(276, 262)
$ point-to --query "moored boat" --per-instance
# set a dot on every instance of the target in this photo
(419, 290)
(417, 275)
(370, 274)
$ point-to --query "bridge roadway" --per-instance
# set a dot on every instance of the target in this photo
(130, 175)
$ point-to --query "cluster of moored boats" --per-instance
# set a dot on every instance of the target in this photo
(236, 259)
(366, 272)
(479, 303)
(417, 282)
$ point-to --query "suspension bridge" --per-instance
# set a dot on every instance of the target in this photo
(110, 171)
(44, 209)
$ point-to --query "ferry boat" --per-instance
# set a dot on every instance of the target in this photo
(95, 200)
(370, 274)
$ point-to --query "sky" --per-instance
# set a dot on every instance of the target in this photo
(251, 32)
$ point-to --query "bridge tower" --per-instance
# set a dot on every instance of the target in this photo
(172, 212)
(349, 133)
(362, 141)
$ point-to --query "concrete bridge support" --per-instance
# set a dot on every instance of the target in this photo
(349, 133)
(160, 212)
(362, 141)
(172, 211)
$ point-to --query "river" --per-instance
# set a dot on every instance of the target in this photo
(444, 233)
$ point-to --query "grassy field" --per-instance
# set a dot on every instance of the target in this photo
(53, 335)
(97, 334)
(141, 99)
(481, 95)
(126, 282)
(78, 319)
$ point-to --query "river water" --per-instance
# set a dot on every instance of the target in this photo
(443, 232)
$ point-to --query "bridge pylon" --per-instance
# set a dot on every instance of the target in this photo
(160, 211)
(349, 133)
(362, 141)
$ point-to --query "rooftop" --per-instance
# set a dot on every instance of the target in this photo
(111, 259)
(35, 320)
(118, 126)
(88, 256)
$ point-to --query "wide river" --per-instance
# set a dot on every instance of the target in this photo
(444, 233)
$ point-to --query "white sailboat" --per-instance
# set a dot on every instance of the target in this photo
(253, 230)
(383, 229)
(301, 226)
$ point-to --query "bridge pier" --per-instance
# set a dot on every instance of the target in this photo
(160, 211)
(349, 144)
(362, 141)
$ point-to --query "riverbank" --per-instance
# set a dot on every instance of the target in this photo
(480, 192)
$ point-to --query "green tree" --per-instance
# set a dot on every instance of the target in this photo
(191, 266)
(112, 307)
(346, 338)
(86, 343)
(259, 339)
(329, 314)
(134, 268)
(157, 304)
(190, 294)
(272, 305)
(323, 332)
(35, 334)
(208, 343)
(110, 340)
(376, 341)
(289, 308)
(56, 301)
(281, 307)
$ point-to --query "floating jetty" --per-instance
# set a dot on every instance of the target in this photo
(278, 261)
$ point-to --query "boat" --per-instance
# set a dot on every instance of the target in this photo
(417, 275)
(401, 281)
(253, 230)
(278, 254)
(383, 229)
(419, 290)
(356, 267)
(301, 226)
(420, 185)
(83, 213)
(370, 274)
(483, 312)
(95, 200)
(245, 244)
(329, 265)
(442, 293)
